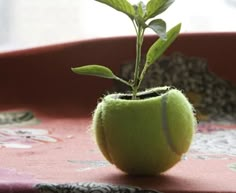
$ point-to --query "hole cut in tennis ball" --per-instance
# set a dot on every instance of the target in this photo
(144, 95)
(146, 136)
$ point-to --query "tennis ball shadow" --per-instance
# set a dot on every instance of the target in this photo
(160, 182)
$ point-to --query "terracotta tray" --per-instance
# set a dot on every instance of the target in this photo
(45, 113)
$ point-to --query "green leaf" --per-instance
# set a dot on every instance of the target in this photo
(155, 7)
(159, 47)
(94, 70)
(140, 9)
(140, 22)
(158, 26)
(120, 5)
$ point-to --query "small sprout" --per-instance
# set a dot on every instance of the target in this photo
(139, 15)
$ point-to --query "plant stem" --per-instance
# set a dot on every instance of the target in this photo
(135, 27)
(139, 42)
(123, 81)
(142, 75)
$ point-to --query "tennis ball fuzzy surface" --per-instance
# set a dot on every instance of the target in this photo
(145, 136)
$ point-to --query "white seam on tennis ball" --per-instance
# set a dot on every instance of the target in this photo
(105, 137)
(164, 120)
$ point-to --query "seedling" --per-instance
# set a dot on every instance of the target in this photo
(143, 17)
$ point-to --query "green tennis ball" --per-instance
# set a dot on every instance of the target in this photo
(146, 136)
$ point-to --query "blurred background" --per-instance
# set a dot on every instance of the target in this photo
(25, 24)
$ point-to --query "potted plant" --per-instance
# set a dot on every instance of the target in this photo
(142, 132)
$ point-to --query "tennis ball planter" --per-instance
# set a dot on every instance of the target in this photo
(146, 136)
(147, 132)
